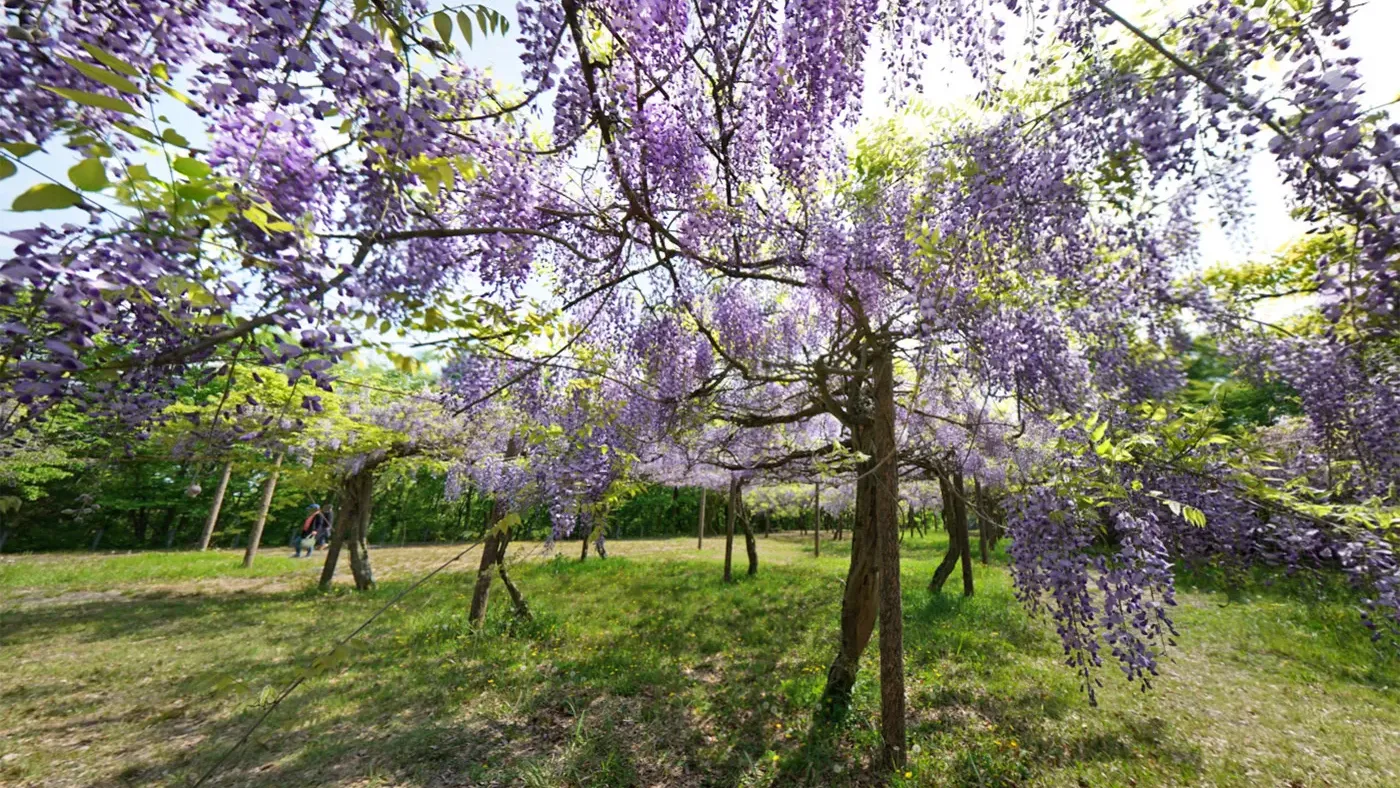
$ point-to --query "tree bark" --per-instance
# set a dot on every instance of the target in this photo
(4, 535)
(964, 538)
(171, 528)
(859, 604)
(885, 482)
(481, 594)
(729, 528)
(817, 520)
(255, 536)
(984, 525)
(138, 526)
(356, 505)
(517, 600)
(583, 537)
(750, 544)
(945, 568)
(333, 551)
(97, 538)
(700, 540)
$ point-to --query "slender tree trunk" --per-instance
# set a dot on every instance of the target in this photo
(817, 520)
(859, 604)
(333, 550)
(984, 525)
(583, 537)
(767, 524)
(97, 538)
(965, 544)
(138, 526)
(4, 536)
(700, 540)
(171, 529)
(481, 594)
(750, 544)
(945, 568)
(255, 536)
(517, 600)
(729, 528)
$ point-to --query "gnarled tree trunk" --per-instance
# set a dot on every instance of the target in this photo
(255, 536)
(965, 543)
(332, 551)
(885, 476)
(356, 504)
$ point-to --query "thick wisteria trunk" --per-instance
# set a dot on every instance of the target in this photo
(729, 529)
(700, 528)
(817, 520)
(255, 536)
(885, 483)
(356, 505)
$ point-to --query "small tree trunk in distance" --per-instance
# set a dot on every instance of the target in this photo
(729, 528)
(767, 524)
(583, 537)
(817, 520)
(255, 536)
(700, 540)
(97, 538)
(750, 544)
(984, 525)
(965, 542)
(4, 535)
(950, 559)
(171, 529)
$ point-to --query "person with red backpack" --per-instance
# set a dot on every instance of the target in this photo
(311, 528)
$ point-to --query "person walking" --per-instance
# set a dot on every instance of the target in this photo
(306, 539)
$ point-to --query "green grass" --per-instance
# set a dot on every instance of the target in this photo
(644, 669)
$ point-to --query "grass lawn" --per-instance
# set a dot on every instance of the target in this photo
(644, 669)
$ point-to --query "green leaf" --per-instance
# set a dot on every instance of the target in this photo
(46, 196)
(110, 60)
(1098, 432)
(19, 149)
(88, 175)
(174, 138)
(466, 24)
(443, 23)
(93, 99)
(7, 168)
(481, 19)
(136, 131)
(191, 168)
(108, 78)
